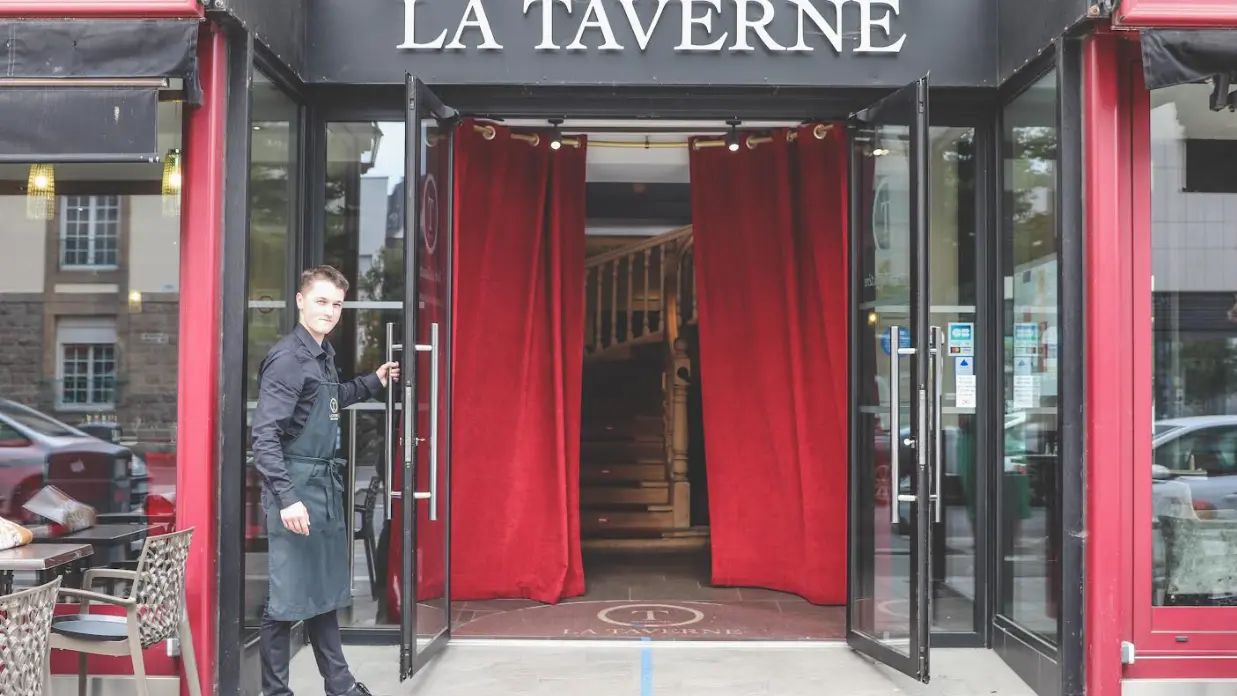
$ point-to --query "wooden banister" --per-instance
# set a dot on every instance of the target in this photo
(644, 294)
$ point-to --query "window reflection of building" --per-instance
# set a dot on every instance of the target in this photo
(1029, 534)
(90, 310)
(1194, 349)
(272, 274)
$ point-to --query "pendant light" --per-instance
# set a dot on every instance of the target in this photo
(41, 192)
(172, 179)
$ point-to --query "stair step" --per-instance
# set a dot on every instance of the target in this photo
(645, 493)
(650, 470)
(648, 543)
(622, 432)
(654, 517)
(620, 451)
(594, 396)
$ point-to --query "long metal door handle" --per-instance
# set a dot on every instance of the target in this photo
(433, 435)
(921, 451)
(411, 410)
(389, 426)
(938, 433)
(895, 429)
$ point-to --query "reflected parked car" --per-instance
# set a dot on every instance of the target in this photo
(38, 450)
(1028, 460)
(1194, 464)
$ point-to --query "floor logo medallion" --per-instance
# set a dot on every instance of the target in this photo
(650, 616)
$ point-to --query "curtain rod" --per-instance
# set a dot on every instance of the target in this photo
(820, 131)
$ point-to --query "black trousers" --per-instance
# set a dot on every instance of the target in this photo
(276, 648)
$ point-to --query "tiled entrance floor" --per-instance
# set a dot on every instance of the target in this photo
(661, 596)
(546, 668)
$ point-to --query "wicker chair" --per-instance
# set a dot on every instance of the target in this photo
(25, 624)
(154, 612)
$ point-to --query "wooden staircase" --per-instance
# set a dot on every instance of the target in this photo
(633, 453)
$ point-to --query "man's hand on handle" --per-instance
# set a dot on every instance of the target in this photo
(296, 518)
(388, 373)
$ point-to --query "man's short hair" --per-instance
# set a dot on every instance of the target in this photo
(327, 273)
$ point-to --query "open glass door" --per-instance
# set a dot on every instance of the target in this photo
(423, 478)
(893, 392)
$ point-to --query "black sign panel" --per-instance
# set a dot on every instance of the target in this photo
(809, 43)
(278, 24)
(1027, 29)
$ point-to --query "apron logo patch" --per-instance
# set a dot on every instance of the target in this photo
(334, 409)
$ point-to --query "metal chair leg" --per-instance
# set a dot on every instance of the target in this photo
(188, 658)
(368, 540)
(140, 685)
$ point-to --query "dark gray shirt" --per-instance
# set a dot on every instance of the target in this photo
(288, 382)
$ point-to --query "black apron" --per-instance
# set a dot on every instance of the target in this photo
(309, 575)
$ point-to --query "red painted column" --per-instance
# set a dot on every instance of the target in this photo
(1108, 362)
(201, 279)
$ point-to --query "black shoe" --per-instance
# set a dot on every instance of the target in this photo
(359, 689)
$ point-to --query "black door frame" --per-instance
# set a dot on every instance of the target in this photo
(422, 104)
(237, 659)
(319, 105)
(909, 107)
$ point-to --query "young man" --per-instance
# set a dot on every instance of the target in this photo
(295, 429)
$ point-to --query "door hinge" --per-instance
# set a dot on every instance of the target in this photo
(1128, 654)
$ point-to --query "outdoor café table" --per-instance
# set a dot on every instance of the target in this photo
(106, 537)
(40, 558)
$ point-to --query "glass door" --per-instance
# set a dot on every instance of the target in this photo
(423, 477)
(894, 390)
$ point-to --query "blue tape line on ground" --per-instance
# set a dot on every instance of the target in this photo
(646, 668)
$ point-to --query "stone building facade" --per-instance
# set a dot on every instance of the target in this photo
(89, 301)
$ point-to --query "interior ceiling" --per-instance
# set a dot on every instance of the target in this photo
(654, 165)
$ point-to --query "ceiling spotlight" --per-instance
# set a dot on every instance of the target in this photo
(732, 138)
(556, 140)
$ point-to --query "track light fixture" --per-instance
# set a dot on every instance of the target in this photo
(732, 138)
(556, 140)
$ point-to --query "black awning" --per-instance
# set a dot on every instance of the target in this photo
(1182, 56)
(101, 49)
(79, 124)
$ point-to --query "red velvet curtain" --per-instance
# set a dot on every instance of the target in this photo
(519, 352)
(771, 274)
(518, 358)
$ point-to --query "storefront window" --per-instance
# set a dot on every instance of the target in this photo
(1194, 349)
(952, 300)
(90, 310)
(272, 199)
(1029, 591)
(364, 239)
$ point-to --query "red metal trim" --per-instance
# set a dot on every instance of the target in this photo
(1176, 13)
(1157, 630)
(1107, 313)
(1137, 104)
(201, 279)
(1183, 668)
(154, 9)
